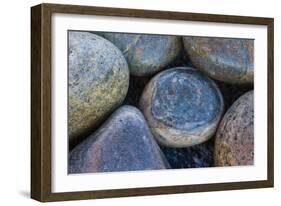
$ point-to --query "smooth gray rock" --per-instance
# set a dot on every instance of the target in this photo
(98, 81)
(123, 143)
(146, 53)
(224, 59)
(182, 106)
(234, 141)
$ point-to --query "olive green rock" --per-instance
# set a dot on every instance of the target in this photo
(146, 53)
(234, 141)
(98, 81)
(224, 59)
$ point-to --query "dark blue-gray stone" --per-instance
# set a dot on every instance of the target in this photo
(123, 143)
(182, 107)
(146, 53)
(178, 93)
(225, 59)
(196, 156)
(97, 82)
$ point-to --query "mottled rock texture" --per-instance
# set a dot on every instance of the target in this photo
(182, 106)
(123, 143)
(98, 81)
(234, 141)
(196, 156)
(146, 54)
(227, 60)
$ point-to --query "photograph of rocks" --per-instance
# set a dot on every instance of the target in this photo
(150, 101)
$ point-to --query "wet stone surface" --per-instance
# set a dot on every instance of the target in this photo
(178, 100)
(182, 107)
(98, 82)
(123, 143)
(146, 54)
(234, 141)
(200, 155)
(179, 115)
(228, 60)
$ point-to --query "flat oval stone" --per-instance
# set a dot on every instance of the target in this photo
(234, 141)
(123, 143)
(146, 54)
(224, 59)
(98, 81)
(136, 87)
(182, 106)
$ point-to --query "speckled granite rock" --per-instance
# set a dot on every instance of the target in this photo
(227, 60)
(234, 142)
(196, 156)
(146, 54)
(182, 106)
(123, 143)
(98, 81)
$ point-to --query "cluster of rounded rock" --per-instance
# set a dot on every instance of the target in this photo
(180, 114)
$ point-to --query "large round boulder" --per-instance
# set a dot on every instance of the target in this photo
(97, 82)
(146, 53)
(182, 106)
(234, 141)
(224, 59)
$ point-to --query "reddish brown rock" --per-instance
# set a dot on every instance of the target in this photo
(234, 142)
(225, 59)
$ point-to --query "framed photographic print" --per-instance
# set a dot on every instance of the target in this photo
(130, 102)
